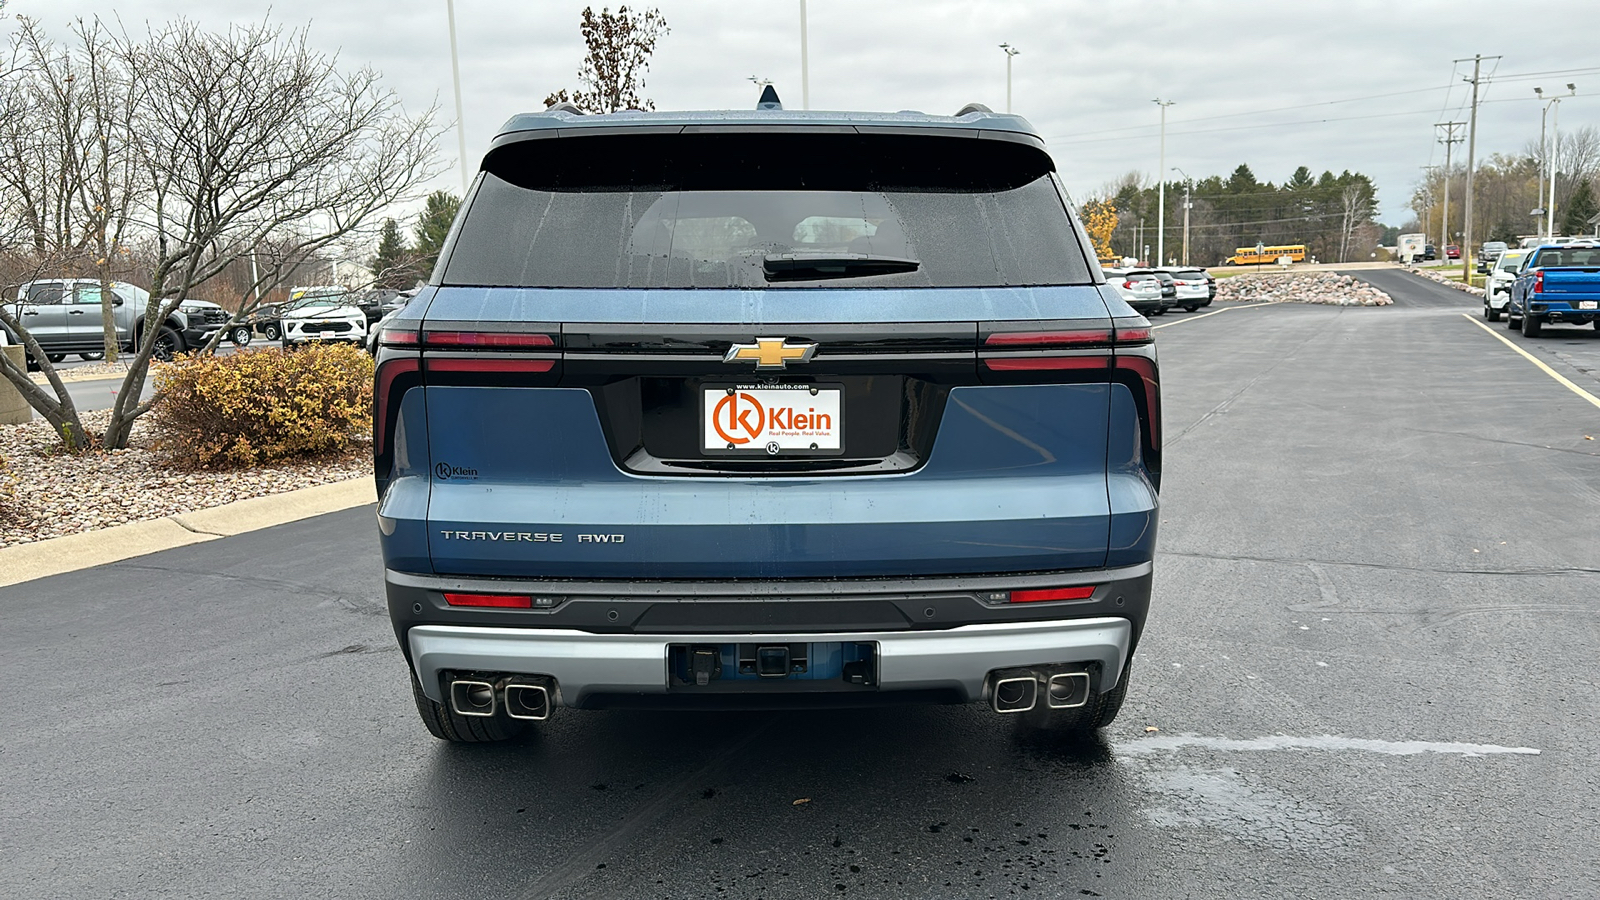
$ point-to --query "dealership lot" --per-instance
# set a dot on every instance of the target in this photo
(1368, 668)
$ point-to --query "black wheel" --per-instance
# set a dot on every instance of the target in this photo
(1531, 326)
(1190, 307)
(241, 335)
(271, 331)
(1513, 321)
(443, 723)
(1159, 311)
(92, 357)
(1100, 711)
(56, 357)
(1491, 313)
(169, 343)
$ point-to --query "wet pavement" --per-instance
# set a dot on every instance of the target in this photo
(1369, 668)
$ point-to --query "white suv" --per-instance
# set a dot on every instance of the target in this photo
(322, 314)
(1497, 288)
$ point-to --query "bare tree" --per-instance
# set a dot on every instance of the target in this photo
(242, 138)
(619, 48)
(1355, 202)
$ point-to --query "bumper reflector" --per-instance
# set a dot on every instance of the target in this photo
(502, 601)
(1071, 593)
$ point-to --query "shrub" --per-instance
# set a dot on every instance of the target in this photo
(264, 405)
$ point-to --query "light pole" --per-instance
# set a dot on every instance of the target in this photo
(1544, 154)
(1161, 195)
(1188, 189)
(1554, 104)
(805, 70)
(455, 75)
(1010, 52)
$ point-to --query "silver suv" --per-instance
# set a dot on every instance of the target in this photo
(63, 315)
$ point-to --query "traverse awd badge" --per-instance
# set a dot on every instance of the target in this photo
(771, 353)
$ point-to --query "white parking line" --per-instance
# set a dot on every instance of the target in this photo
(1205, 315)
(1318, 742)
(1536, 361)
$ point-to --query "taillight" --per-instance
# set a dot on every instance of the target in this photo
(498, 601)
(393, 337)
(1047, 363)
(1041, 596)
(388, 372)
(1538, 282)
(1048, 338)
(1134, 335)
(486, 340)
(481, 364)
(1127, 285)
(1145, 370)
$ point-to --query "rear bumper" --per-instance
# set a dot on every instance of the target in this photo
(955, 662)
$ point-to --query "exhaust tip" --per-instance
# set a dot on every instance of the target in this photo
(528, 701)
(472, 698)
(1017, 694)
(1067, 690)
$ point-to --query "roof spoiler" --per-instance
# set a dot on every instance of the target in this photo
(971, 108)
(565, 107)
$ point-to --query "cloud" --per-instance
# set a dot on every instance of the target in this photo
(1084, 68)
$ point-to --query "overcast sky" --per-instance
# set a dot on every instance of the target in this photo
(1254, 82)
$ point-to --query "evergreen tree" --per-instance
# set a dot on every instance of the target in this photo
(434, 226)
(1581, 207)
(392, 266)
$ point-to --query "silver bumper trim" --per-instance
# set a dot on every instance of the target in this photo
(583, 663)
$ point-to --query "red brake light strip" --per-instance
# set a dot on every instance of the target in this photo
(499, 601)
(1047, 338)
(486, 339)
(1070, 593)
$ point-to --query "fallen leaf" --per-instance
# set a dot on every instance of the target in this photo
(1588, 437)
(1148, 729)
(802, 801)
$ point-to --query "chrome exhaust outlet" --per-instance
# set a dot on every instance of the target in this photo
(1067, 690)
(472, 698)
(1015, 694)
(528, 701)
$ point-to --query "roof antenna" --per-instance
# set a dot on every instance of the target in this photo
(769, 99)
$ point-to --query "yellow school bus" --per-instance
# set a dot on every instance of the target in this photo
(1247, 256)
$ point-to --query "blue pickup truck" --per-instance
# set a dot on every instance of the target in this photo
(1556, 284)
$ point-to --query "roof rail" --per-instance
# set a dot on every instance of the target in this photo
(769, 99)
(973, 108)
(565, 107)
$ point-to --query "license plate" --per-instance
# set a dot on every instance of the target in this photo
(1587, 304)
(798, 419)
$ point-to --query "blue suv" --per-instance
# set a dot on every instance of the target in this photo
(766, 409)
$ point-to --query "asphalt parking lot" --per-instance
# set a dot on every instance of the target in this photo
(1369, 666)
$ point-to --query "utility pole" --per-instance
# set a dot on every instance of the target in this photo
(1188, 189)
(1472, 156)
(1161, 195)
(805, 71)
(1010, 52)
(1450, 138)
(1427, 220)
(455, 75)
(1138, 240)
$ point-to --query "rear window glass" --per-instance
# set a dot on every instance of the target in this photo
(738, 211)
(1141, 276)
(1571, 256)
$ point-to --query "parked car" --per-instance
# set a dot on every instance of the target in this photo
(204, 320)
(736, 426)
(1497, 287)
(1140, 289)
(1451, 251)
(64, 316)
(391, 309)
(1428, 252)
(1488, 253)
(322, 314)
(1559, 283)
(1193, 288)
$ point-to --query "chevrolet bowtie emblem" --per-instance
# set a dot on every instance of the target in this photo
(770, 353)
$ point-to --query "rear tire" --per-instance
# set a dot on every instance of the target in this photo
(241, 335)
(271, 331)
(96, 356)
(443, 723)
(1513, 321)
(1100, 711)
(55, 357)
(1531, 326)
(1490, 313)
(1190, 307)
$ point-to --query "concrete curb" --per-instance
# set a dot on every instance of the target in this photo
(70, 378)
(72, 552)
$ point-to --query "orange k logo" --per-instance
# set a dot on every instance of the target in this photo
(729, 418)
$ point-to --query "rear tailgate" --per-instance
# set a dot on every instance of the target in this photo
(600, 474)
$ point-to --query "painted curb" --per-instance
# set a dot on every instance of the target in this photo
(69, 378)
(70, 553)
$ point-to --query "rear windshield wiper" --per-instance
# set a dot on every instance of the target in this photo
(813, 266)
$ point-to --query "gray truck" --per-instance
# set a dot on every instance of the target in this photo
(63, 315)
